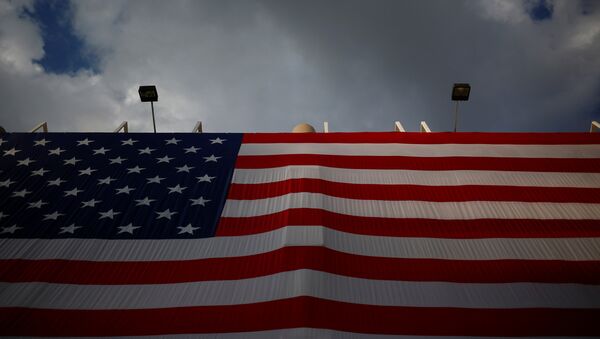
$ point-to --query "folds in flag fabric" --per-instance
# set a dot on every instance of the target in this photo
(300, 235)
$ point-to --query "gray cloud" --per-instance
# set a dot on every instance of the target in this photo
(266, 65)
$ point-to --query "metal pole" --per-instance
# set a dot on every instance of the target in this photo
(455, 115)
(154, 122)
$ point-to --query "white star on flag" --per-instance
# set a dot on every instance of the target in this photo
(144, 202)
(165, 214)
(41, 142)
(37, 204)
(73, 192)
(11, 229)
(136, 169)
(192, 149)
(101, 150)
(187, 229)
(11, 151)
(21, 193)
(155, 180)
(71, 161)
(217, 141)
(2, 141)
(125, 190)
(24, 162)
(85, 142)
(117, 160)
(56, 151)
(90, 203)
(6, 183)
(212, 158)
(172, 141)
(39, 172)
(52, 216)
(176, 189)
(184, 168)
(200, 201)
(108, 214)
(128, 228)
(166, 159)
(69, 229)
(2, 215)
(205, 178)
(87, 171)
(106, 181)
(129, 142)
(146, 150)
(56, 182)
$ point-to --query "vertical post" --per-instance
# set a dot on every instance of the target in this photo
(398, 127)
(198, 127)
(455, 116)
(42, 125)
(325, 127)
(123, 126)
(424, 127)
(153, 121)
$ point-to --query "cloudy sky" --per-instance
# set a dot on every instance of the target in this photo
(246, 66)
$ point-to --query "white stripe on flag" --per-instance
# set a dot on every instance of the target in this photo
(303, 332)
(296, 283)
(426, 150)
(380, 246)
(410, 177)
(413, 209)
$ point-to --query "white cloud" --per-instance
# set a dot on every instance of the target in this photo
(503, 11)
(20, 40)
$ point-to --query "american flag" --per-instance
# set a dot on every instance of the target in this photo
(300, 235)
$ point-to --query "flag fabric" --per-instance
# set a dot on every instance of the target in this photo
(300, 235)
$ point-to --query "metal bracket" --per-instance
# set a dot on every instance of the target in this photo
(398, 127)
(42, 125)
(123, 126)
(325, 127)
(198, 127)
(424, 127)
(595, 127)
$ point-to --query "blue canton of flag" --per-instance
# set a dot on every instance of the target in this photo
(104, 185)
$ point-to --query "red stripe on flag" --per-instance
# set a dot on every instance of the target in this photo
(415, 192)
(459, 229)
(295, 258)
(301, 312)
(426, 138)
(422, 163)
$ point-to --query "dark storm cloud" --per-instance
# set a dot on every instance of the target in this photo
(393, 59)
(266, 65)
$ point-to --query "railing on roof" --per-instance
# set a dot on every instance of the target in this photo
(42, 125)
(398, 127)
(123, 126)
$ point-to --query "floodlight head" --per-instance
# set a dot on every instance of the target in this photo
(148, 93)
(460, 92)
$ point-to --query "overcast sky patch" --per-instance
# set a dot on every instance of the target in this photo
(265, 65)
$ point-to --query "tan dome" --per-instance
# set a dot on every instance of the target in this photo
(303, 128)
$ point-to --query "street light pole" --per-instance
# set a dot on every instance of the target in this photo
(154, 121)
(455, 116)
(460, 92)
(149, 93)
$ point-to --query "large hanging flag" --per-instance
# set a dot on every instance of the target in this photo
(300, 235)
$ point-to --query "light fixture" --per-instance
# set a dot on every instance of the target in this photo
(149, 94)
(460, 92)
